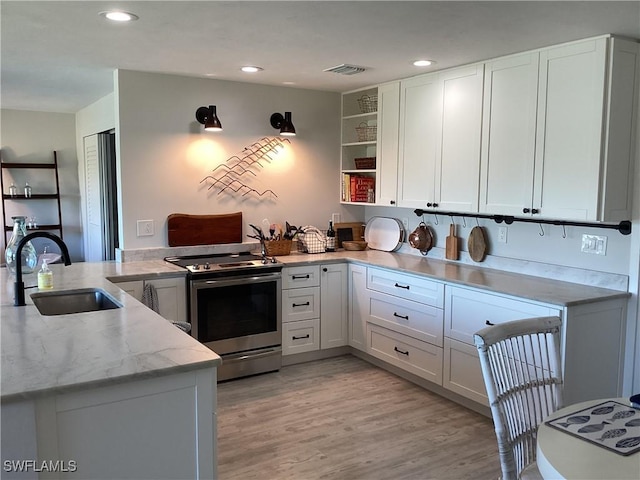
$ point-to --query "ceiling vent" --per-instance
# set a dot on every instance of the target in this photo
(345, 69)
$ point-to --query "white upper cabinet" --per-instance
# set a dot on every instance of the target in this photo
(369, 161)
(420, 127)
(439, 153)
(557, 132)
(509, 134)
(458, 165)
(387, 147)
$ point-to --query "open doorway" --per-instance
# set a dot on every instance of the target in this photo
(102, 196)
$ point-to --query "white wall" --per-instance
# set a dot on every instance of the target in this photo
(32, 137)
(164, 153)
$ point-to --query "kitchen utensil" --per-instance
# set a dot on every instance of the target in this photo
(354, 245)
(476, 244)
(384, 233)
(186, 230)
(451, 247)
(258, 230)
(421, 238)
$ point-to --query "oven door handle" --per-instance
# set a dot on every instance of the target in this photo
(237, 280)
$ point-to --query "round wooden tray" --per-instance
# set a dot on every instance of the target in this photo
(354, 245)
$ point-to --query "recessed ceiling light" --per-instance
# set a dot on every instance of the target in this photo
(423, 63)
(119, 16)
(251, 69)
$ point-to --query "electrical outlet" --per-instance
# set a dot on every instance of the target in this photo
(145, 228)
(502, 234)
(595, 244)
(405, 222)
(335, 218)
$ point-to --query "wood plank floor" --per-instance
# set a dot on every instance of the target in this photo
(344, 419)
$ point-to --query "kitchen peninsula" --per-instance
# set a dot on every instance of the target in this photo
(120, 393)
(74, 375)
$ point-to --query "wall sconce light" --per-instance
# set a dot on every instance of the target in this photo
(208, 117)
(283, 123)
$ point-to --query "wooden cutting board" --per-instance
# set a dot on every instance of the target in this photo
(452, 250)
(477, 244)
(186, 230)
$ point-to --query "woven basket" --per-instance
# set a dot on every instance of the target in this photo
(366, 133)
(277, 247)
(368, 103)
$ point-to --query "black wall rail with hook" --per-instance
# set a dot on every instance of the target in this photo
(624, 227)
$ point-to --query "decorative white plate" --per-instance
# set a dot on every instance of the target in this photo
(384, 233)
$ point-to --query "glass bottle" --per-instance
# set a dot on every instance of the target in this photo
(27, 190)
(13, 190)
(331, 238)
(29, 258)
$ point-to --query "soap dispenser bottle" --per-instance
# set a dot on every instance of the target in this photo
(45, 277)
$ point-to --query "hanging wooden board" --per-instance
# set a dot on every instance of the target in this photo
(477, 244)
(349, 231)
(187, 230)
(451, 250)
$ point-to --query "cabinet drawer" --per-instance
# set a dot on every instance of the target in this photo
(462, 373)
(296, 277)
(300, 304)
(414, 319)
(406, 286)
(467, 311)
(301, 336)
(419, 358)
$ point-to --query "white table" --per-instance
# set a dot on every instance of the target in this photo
(563, 456)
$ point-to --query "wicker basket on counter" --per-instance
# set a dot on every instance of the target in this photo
(366, 133)
(368, 103)
(276, 248)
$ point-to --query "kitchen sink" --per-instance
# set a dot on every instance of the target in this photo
(65, 302)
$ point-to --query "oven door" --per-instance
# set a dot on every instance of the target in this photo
(237, 314)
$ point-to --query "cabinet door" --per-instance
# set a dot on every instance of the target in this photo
(420, 127)
(387, 139)
(509, 134)
(358, 306)
(458, 167)
(172, 301)
(133, 288)
(570, 130)
(333, 305)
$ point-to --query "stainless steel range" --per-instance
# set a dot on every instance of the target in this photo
(235, 309)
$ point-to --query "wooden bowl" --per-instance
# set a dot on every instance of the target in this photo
(354, 245)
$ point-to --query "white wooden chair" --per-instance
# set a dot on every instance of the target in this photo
(520, 363)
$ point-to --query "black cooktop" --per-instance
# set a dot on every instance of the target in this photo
(202, 264)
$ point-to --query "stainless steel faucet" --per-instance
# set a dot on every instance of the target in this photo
(18, 290)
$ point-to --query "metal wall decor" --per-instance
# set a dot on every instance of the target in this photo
(227, 177)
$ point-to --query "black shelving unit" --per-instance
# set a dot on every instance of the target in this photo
(35, 196)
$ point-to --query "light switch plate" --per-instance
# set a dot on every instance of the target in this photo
(145, 228)
(595, 244)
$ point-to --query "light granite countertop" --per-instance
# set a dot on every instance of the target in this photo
(537, 289)
(45, 354)
(54, 354)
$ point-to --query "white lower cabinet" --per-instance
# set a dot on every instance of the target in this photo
(591, 341)
(171, 293)
(358, 306)
(300, 336)
(162, 427)
(333, 305)
(300, 309)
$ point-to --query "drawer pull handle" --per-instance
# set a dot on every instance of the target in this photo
(400, 351)
(298, 277)
(487, 322)
(306, 304)
(402, 286)
(300, 338)
(404, 317)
